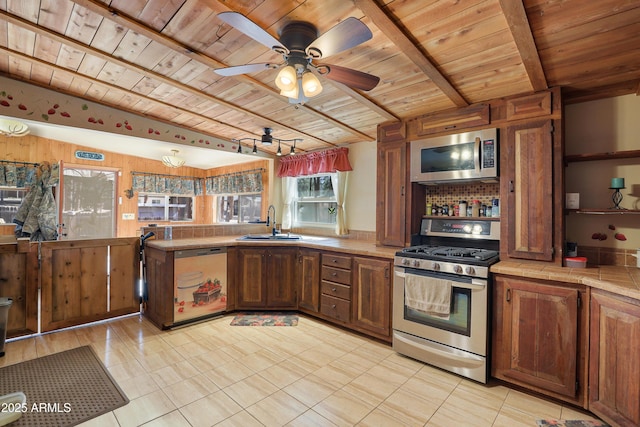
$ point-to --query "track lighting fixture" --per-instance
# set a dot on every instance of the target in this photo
(267, 139)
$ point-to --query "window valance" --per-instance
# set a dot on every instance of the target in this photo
(249, 181)
(18, 174)
(326, 161)
(166, 184)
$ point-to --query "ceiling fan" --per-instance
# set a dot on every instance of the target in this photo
(300, 45)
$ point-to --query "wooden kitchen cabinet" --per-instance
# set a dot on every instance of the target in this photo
(449, 121)
(540, 336)
(614, 389)
(391, 194)
(371, 296)
(308, 275)
(266, 278)
(527, 191)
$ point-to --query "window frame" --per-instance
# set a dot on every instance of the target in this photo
(217, 211)
(296, 222)
(167, 207)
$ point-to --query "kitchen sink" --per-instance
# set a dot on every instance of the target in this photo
(269, 237)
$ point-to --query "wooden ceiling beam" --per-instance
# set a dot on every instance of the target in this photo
(518, 22)
(143, 72)
(134, 25)
(379, 17)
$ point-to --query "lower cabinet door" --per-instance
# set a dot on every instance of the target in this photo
(614, 389)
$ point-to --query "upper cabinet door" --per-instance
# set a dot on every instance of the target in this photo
(527, 191)
(391, 194)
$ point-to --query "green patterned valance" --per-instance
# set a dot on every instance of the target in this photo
(18, 174)
(249, 181)
(144, 182)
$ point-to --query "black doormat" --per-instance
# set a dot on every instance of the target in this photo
(62, 389)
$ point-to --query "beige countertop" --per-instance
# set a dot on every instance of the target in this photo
(617, 279)
(351, 246)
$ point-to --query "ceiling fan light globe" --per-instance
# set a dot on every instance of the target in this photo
(310, 85)
(286, 78)
(293, 93)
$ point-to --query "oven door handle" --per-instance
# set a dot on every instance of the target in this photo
(475, 285)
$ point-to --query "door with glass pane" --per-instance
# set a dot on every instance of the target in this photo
(88, 203)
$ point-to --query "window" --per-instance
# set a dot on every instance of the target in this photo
(10, 200)
(315, 202)
(159, 207)
(236, 208)
(88, 203)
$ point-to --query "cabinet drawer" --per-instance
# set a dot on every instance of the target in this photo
(337, 261)
(335, 307)
(336, 275)
(333, 289)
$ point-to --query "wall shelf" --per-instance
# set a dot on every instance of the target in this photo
(630, 154)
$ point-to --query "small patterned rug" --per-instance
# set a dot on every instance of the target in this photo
(571, 423)
(62, 389)
(265, 319)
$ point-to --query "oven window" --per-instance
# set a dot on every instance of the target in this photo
(459, 320)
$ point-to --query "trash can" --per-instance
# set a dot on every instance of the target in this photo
(5, 305)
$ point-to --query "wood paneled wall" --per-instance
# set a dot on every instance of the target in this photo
(35, 149)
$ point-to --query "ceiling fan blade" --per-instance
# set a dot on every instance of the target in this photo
(345, 35)
(250, 28)
(347, 76)
(243, 69)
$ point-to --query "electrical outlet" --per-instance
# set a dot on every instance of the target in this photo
(128, 216)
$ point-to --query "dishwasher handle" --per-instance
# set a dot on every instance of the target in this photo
(186, 253)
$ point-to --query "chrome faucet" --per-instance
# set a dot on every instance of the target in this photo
(269, 209)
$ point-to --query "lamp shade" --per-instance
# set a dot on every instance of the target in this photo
(173, 161)
(287, 79)
(310, 84)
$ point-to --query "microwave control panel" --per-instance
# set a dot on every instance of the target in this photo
(488, 153)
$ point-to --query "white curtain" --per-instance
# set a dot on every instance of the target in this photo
(288, 195)
(339, 183)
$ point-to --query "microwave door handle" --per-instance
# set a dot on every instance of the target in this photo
(478, 144)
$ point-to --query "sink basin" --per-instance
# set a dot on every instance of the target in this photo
(269, 237)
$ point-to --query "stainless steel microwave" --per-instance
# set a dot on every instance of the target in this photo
(459, 157)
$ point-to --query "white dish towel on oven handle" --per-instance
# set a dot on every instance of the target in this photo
(432, 296)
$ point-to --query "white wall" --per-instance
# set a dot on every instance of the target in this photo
(606, 125)
(361, 200)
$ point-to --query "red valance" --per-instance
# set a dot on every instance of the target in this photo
(316, 162)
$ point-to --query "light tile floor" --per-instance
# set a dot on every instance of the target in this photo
(312, 374)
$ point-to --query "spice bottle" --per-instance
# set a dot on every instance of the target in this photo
(475, 208)
(462, 207)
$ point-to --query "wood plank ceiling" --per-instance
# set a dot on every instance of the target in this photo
(156, 58)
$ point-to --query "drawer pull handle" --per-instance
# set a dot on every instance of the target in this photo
(333, 289)
(333, 306)
(334, 274)
(334, 260)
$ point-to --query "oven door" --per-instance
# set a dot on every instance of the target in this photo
(466, 327)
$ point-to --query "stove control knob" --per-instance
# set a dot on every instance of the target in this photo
(457, 269)
(470, 271)
(436, 266)
(416, 263)
(406, 261)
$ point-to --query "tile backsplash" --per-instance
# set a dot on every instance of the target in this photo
(608, 256)
(449, 194)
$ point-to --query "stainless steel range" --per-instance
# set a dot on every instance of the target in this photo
(441, 289)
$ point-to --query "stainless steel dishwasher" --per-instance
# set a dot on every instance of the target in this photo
(200, 284)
